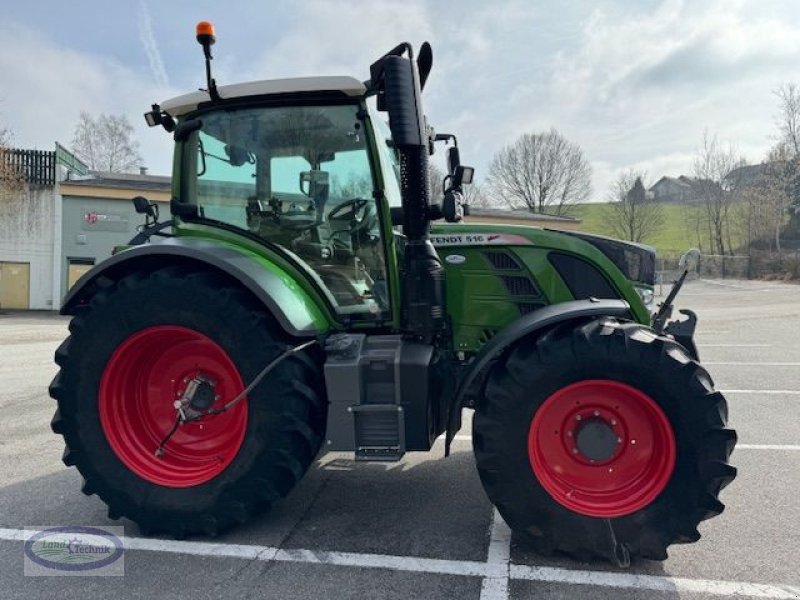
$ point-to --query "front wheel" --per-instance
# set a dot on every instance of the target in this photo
(603, 439)
(133, 351)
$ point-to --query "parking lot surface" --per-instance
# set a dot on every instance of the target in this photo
(422, 528)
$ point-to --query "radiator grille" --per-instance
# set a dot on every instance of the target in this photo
(502, 261)
(520, 286)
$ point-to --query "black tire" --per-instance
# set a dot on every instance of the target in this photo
(286, 412)
(631, 354)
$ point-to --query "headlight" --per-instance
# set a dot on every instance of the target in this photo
(646, 294)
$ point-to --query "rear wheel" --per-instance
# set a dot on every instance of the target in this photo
(603, 439)
(132, 352)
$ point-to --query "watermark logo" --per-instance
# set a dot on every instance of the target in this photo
(93, 551)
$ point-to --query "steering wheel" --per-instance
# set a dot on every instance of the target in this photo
(354, 206)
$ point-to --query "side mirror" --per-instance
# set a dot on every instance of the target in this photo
(314, 182)
(144, 207)
(452, 206)
(237, 155)
(453, 159)
(462, 176)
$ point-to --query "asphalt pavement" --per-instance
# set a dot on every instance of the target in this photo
(422, 528)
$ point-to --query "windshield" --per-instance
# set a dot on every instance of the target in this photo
(299, 177)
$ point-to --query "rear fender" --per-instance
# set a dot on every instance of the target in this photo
(532, 323)
(296, 311)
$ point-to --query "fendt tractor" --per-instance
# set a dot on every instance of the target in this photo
(301, 300)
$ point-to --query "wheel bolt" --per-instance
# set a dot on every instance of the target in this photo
(578, 418)
(574, 450)
(597, 413)
(633, 441)
(619, 440)
(613, 421)
(569, 434)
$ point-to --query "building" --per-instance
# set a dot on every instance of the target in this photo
(57, 220)
(675, 189)
(97, 215)
(30, 225)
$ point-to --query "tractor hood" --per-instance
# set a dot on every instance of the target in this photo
(635, 261)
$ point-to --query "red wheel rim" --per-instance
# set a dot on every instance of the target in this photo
(640, 444)
(142, 380)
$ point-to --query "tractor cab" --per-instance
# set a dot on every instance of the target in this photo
(306, 177)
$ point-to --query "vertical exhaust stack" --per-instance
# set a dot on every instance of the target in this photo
(397, 82)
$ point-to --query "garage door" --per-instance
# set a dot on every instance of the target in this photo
(77, 267)
(15, 285)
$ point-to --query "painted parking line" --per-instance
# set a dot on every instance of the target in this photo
(779, 447)
(490, 570)
(751, 364)
(496, 588)
(773, 392)
(703, 345)
(655, 583)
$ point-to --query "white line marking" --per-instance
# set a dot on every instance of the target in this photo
(767, 447)
(436, 566)
(653, 582)
(778, 447)
(702, 345)
(752, 364)
(712, 332)
(780, 392)
(496, 588)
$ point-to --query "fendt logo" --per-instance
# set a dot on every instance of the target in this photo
(90, 217)
(480, 239)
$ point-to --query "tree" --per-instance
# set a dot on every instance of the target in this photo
(435, 180)
(475, 196)
(541, 171)
(10, 177)
(718, 191)
(629, 214)
(106, 143)
(788, 122)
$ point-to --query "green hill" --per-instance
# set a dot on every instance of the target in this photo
(674, 239)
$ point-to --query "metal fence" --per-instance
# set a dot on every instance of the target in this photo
(33, 166)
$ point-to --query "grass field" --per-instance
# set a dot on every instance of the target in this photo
(673, 239)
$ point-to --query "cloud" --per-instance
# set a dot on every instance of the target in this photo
(150, 46)
(343, 37)
(46, 85)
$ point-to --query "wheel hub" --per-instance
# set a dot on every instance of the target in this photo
(200, 393)
(596, 440)
(151, 375)
(601, 448)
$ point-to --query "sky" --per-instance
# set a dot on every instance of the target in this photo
(634, 83)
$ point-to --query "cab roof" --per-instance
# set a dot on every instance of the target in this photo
(350, 86)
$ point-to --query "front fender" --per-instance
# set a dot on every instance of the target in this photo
(296, 311)
(531, 323)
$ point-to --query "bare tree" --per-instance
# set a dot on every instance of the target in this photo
(630, 214)
(475, 195)
(106, 143)
(717, 190)
(541, 172)
(788, 122)
(10, 176)
(435, 183)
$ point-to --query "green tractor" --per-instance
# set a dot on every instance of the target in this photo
(300, 300)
